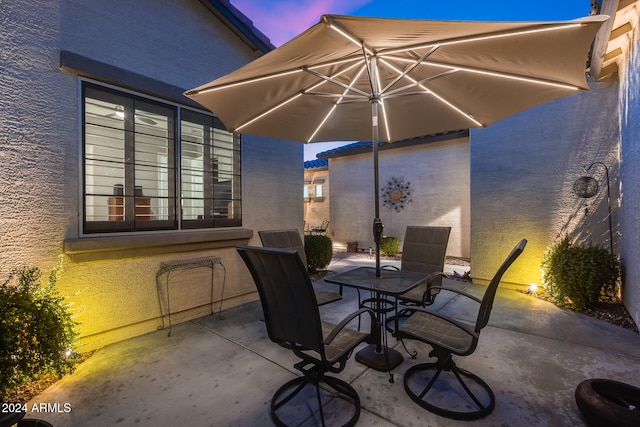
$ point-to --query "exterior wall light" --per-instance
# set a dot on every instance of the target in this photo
(586, 187)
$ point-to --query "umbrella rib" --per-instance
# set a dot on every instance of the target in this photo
(294, 97)
(453, 107)
(439, 97)
(347, 34)
(366, 51)
(419, 83)
(243, 82)
(354, 98)
(488, 36)
(336, 82)
(333, 108)
(503, 75)
(270, 76)
(411, 67)
(269, 111)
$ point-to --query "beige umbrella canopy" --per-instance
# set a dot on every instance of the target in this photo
(353, 78)
(429, 76)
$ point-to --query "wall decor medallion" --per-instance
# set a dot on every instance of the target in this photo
(396, 194)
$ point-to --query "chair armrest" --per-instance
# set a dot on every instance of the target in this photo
(457, 291)
(340, 326)
(426, 296)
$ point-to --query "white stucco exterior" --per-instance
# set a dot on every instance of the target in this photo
(522, 174)
(438, 173)
(177, 43)
(629, 107)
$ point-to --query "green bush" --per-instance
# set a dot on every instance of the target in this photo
(389, 246)
(319, 251)
(576, 275)
(36, 329)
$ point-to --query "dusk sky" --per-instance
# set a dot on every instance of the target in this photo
(281, 20)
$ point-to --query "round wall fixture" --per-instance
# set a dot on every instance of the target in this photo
(585, 187)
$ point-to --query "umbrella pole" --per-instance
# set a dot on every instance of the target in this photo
(377, 222)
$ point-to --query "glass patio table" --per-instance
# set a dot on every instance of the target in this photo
(391, 283)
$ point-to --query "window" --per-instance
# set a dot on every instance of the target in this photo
(155, 166)
(318, 193)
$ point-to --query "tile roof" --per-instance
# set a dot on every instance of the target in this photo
(362, 146)
(312, 164)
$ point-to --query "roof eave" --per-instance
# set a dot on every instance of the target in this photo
(614, 38)
(240, 24)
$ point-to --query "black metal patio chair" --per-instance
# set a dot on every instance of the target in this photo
(320, 229)
(290, 239)
(449, 336)
(293, 321)
(424, 251)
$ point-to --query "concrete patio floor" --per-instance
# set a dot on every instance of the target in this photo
(213, 372)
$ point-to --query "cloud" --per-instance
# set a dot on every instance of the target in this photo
(281, 20)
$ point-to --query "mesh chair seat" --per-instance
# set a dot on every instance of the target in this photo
(439, 330)
(342, 343)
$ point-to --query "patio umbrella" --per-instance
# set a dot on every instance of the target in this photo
(353, 78)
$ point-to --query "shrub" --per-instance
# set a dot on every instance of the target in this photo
(319, 251)
(576, 275)
(36, 329)
(389, 246)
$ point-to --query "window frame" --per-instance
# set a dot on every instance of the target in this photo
(174, 222)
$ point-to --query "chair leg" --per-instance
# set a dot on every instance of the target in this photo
(288, 391)
(482, 401)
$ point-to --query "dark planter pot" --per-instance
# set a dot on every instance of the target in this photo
(9, 419)
(608, 403)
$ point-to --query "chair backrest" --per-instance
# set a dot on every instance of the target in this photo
(424, 250)
(285, 239)
(287, 297)
(487, 300)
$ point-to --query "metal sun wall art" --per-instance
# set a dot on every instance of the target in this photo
(396, 194)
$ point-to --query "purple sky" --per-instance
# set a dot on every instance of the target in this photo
(281, 20)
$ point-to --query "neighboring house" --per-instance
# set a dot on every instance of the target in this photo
(436, 171)
(107, 164)
(316, 193)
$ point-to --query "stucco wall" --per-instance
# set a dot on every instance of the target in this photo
(38, 138)
(176, 42)
(630, 188)
(522, 174)
(439, 176)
